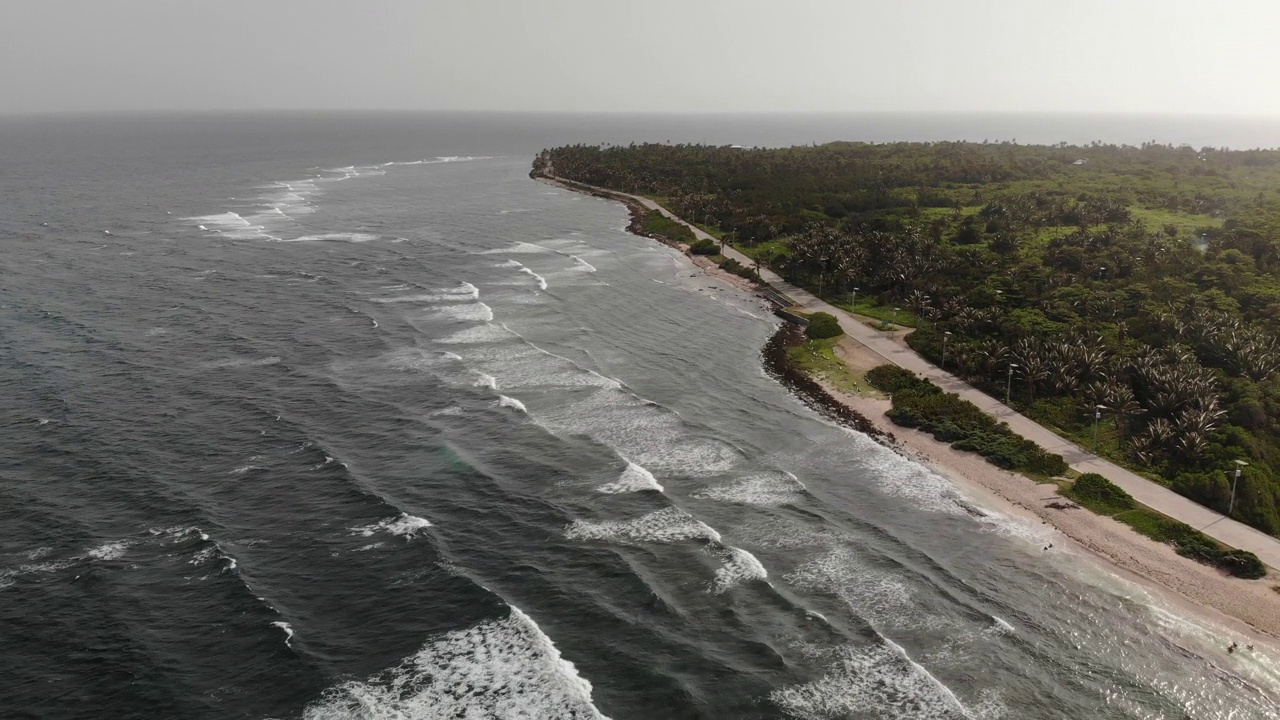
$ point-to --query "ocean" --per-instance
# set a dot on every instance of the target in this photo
(343, 416)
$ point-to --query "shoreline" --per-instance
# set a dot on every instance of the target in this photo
(1249, 608)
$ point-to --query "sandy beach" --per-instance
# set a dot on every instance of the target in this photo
(1250, 607)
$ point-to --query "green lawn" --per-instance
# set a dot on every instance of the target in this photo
(818, 358)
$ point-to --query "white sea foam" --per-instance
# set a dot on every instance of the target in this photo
(879, 681)
(644, 433)
(471, 312)
(1002, 626)
(510, 264)
(245, 469)
(633, 479)
(417, 359)
(288, 632)
(403, 525)
(353, 237)
(504, 668)
(739, 566)
(662, 526)
(38, 552)
(463, 293)
(109, 551)
(486, 380)
(542, 282)
(583, 264)
(519, 248)
(510, 402)
(769, 489)
(876, 594)
(43, 421)
(481, 334)
(451, 410)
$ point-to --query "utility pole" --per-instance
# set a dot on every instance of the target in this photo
(1008, 389)
(1240, 466)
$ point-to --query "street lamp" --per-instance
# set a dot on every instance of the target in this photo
(945, 335)
(1008, 388)
(895, 315)
(1097, 415)
(853, 299)
(1240, 466)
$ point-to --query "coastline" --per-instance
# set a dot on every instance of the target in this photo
(1249, 608)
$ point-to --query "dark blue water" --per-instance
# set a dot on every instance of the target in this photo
(345, 417)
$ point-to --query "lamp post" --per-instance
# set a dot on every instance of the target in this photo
(945, 335)
(1008, 388)
(895, 316)
(1240, 466)
(1097, 415)
(853, 299)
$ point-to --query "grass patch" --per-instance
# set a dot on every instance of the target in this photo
(818, 358)
(1191, 543)
(884, 314)
(1187, 224)
(655, 223)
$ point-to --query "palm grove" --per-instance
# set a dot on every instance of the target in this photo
(1132, 292)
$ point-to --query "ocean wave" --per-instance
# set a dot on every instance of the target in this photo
(662, 526)
(353, 237)
(288, 632)
(504, 668)
(486, 380)
(109, 551)
(542, 282)
(878, 681)
(633, 479)
(471, 312)
(403, 525)
(763, 489)
(583, 264)
(739, 567)
(510, 402)
(518, 248)
(486, 333)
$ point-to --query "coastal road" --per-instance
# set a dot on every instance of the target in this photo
(1153, 495)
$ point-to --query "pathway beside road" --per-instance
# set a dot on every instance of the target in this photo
(1151, 494)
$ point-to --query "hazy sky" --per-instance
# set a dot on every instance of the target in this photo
(1209, 56)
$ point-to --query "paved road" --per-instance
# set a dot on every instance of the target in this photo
(1148, 493)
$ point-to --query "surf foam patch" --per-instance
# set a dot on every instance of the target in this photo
(404, 525)
(497, 669)
(739, 567)
(634, 479)
(763, 489)
(663, 526)
(873, 682)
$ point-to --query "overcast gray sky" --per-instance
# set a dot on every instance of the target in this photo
(1175, 56)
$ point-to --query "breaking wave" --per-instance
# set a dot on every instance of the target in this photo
(504, 668)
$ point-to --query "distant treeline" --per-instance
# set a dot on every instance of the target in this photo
(1145, 280)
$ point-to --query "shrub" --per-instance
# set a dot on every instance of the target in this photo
(737, 268)
(891, 379)
(823, 325)
(1101, 495)
(1191, 543)
(918, 403)
(705, 247)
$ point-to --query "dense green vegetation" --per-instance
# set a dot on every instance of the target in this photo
(655, 223)
(918, 403)
(1101, 495)
(1142, 279)
(823, 325)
